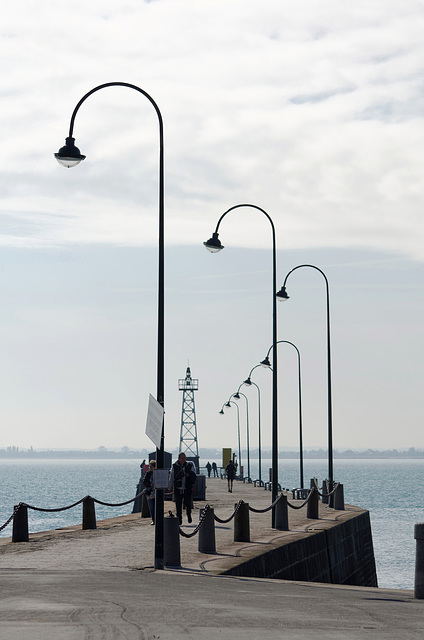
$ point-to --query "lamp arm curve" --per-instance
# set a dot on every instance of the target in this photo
(253, 206)
(311, 266)
(286, 342)
(115, 84)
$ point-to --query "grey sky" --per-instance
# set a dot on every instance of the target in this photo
(312, 111)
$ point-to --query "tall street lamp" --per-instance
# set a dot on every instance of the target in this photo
(70, 156)
(248, 382)
(282, 295)
(214, 245)
(228, 405)
(266, 363)
(237, 397)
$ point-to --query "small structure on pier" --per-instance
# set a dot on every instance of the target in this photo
(188, 432)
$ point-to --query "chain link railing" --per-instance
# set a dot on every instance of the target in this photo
(237, 507)
(182, 532)
(9, 520)
(267, 508)
(325, 495)
(70, 506)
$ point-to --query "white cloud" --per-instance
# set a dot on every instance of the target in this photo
(311, 110)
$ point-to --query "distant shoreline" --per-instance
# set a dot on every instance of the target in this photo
(13, 453)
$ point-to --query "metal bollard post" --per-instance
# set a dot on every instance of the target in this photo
(312, 506)
(314, 482)
(339, 497)
(20, 524)
(88, 513)
(242, 524)
(325, 492)
(137, 503)
(331, 486)
(419, 561)
(281, 514)
(207, 532)
(145, 511)
(171, 542)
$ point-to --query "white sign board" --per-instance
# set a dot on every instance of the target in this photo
(160, 478)
(154, 421)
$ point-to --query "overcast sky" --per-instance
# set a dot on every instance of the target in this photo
(311, 110)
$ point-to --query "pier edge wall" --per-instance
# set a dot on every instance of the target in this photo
(341, 554)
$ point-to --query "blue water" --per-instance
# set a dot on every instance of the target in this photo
(389, 489)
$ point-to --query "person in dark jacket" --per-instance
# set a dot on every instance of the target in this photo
(230, 470)
(208, 469)
(181, 482)
(149, 489)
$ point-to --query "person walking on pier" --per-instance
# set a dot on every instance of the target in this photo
(208, 469)
(149, 489)
(230, 470)
(181, 482)
(215, 470)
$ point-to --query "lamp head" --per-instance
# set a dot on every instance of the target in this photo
(222, 411)
(236, 395)
(69, 155)
(282, 294)
(266, 363)
(248, 382)
(214, 244)
(227, 404)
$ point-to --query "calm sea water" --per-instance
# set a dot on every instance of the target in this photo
(389, 489)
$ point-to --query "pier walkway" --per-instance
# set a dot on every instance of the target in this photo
(74, 585)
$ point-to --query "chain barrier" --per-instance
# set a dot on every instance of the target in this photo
(185, 535)
(267, 508)
(196, 530)
(29, 506)
(71, 506)
(239, 503)
(316, 484)
(328, 495)
(293, 506)
(11, 517)
(117, 504)
(75, 504)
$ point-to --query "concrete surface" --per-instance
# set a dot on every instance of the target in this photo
(77, 605)
(75, 585)
(127, 542)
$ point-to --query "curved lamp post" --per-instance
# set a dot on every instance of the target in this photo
(228, 404)
(282, 295)
(248, 382)
(214, 245)
(237, 397)
(266, 363)
(70, 156)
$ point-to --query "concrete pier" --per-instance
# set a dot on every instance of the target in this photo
(74, 584)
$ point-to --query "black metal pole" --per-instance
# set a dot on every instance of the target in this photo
(159, 554)
(274, 492)
(329, 392)
(247, 431)
(238, 431)
(259, 432)
(300, 406)
(228, 404)
(302, 483)
(329, 396)
(249, 382)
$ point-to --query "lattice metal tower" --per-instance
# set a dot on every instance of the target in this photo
(188, 433)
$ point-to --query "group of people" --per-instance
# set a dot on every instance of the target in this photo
(212, 467)
(181, 482)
